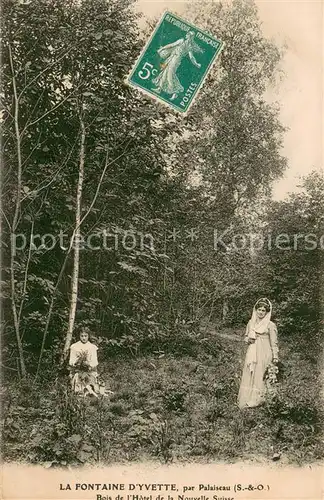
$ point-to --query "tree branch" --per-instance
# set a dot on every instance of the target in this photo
(49, 111)
(26, 273)
(44, 71)
(15, 220)
(107, 164)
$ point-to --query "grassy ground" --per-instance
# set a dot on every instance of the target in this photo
(170, 409)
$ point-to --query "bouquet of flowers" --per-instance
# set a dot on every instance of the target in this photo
(271, 374)
(82, 365)
(271, 379)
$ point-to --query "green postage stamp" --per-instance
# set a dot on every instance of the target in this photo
(175, 62)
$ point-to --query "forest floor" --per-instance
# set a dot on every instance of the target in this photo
(170, 408)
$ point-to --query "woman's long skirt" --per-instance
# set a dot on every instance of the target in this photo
(253, 388)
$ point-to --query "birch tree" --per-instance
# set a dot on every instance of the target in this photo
(24, 198)
(65, 54)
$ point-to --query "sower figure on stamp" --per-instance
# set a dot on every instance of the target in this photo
(173, 53)
(83, 364)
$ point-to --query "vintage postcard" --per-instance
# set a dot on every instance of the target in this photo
(162, 229)
(168, 68)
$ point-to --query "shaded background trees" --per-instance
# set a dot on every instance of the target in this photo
(86, 155)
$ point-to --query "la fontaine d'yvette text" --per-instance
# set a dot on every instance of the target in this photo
(145, 487)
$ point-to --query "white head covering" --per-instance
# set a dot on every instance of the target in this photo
(257, 326)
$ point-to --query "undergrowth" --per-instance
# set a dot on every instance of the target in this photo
(167, 408)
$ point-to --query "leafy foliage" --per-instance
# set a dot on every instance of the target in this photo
(169, 409)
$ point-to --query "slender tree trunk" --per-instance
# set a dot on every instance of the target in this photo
(14, 307)
(73, 239)
(76, 242)
(225, 310)
(211, 308)
(49, 315)
(164, 270)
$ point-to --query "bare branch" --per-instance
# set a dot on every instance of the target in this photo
(36, 104)
(4, 108)
(38, 143)
(49, 314)
(49, 111)
(26, 273)
(107, 164)
(40, 188)
(15, 220)
(44, 71)
(5, 218)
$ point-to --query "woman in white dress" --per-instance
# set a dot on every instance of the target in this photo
(261, 337)
(173, 53)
